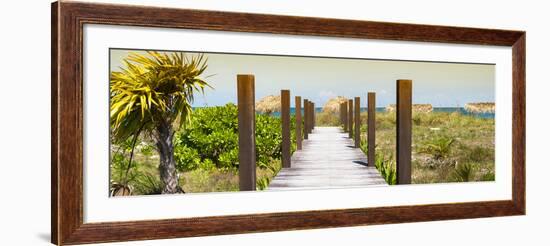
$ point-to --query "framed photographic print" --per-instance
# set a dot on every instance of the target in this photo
(174, 123)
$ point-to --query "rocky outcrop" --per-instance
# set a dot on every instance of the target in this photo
(420, 108)
(480, 107)
(333, 105)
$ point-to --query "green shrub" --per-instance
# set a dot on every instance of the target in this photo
(327, 119)
(385, 121)
(477, 154)
(387, 168)
(210, 180)
(266, 172)
(122, 176)
(210, 142)
(228, 159)
(429, 119)
(268, 138)
(133, 181)
(207, 165)
(262, 183)
(464, 172)
(118, 164)
(439, 147)
(364, 146)
(417, 119)
(489, 176)
(147, 149)
(186, 158)
(211, 135)
(147, 184)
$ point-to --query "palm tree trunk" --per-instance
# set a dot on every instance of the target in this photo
(167, 166)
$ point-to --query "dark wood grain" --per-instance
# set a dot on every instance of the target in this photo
(67, 164)
(357, 134)
(156, 229)
(345, 123)
(298, 128)
(311, 116)
(518, 124)
(350, 118)
(247, 132)
(68, 19)
(54, 123)
(403, 131)
(313, 113)
(285, 128)
(306, 119)
(341, 112)
(371, 128)
(278, 24)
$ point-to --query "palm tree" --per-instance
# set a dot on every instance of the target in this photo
(149, 95)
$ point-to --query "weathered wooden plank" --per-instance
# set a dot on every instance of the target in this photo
(404, 131)
(342, 122)
(312, 115)
(306, 119)
(298, 109)
(350, 118)
(285, 128)
(345, 115)
(357, 134)
(247, 127)
(371, 131)
(328, 159)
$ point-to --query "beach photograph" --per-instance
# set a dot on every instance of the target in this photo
(194, 122)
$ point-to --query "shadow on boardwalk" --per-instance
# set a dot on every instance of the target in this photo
(327, 160)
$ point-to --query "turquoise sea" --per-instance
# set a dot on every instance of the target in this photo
(435, 109)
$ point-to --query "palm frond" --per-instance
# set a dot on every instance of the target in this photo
(154, 87)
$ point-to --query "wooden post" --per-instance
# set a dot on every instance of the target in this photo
(350, 118)
(306, 119)
(404, 131)
(298, 116)
(309, 117)
(371, 131)
(341, 113)
(312, 116)
(247, 127)
(345, 116)
(285, 122)
(357, 135)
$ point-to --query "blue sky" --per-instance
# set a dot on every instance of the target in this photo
(319, 79)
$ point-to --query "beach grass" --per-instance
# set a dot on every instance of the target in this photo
(446, 147)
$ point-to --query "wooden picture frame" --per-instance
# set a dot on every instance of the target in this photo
(68, 19)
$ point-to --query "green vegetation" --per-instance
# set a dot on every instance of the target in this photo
(439, 147)
(206, 154)
(464, 172)
(384, 164)
(447, 147)
(147, 97)
(327, 119)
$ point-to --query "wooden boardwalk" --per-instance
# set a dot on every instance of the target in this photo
(327, 160)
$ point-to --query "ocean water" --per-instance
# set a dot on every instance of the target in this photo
(435, 109)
